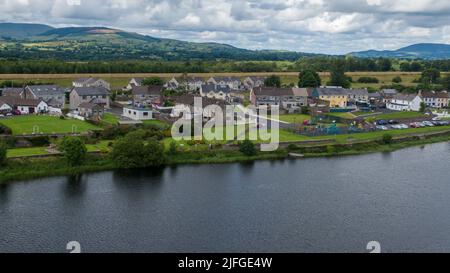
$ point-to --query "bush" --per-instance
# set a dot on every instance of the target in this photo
(292, 147)
(73, 149)
(5, 130)
(132, 152)
(40, 141)
(173, 148)
(3, 152)
(247, 148)
(331, 149)
(368, 80)
(397, 79)
(387, 139)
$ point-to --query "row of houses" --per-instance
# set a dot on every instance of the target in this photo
(337, 97)
(196, 83)
(292, 99)
(87, 93)
(413, 102)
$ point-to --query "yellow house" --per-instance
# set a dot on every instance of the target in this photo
(337, 97)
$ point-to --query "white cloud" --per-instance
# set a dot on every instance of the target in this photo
(326, 26)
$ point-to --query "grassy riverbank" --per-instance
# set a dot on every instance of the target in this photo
(33, 168)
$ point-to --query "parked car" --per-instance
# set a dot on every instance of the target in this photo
(2, 116)
(9, 114)
(428, 123)
(17, 113)
(416, 125)
(393, 122)
(381, 122)
(382, 127)
(404, 126)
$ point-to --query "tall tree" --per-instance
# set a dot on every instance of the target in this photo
(273, 81)
(431, 76)
(337, 73)
(153, 81)
(309, 78)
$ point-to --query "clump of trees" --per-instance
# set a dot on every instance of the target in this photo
(273, 81)
(137, 150)
(153, 81)
(3, 152)
(338, 77)
(247, 147)
(309, 78)
(73, 150)
(368, 80)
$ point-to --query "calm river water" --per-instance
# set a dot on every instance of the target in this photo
(401, 199)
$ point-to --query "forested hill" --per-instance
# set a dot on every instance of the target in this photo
(100, 43)
(417, 51)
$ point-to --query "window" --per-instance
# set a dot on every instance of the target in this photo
(145, 114)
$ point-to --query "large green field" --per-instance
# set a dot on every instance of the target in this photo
(46, 124)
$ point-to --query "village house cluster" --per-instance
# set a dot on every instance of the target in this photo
(90, 97)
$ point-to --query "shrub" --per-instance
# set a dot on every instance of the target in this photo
(132, 152)
(3, 152)
(73, 149)
(5, 130)
(292, 147)
(39, 141)
(397, 79)
(247, 148)
(368, 80)
(173, 148)
(387, 139)
(331, 149)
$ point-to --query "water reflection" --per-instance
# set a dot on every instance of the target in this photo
(76, 185)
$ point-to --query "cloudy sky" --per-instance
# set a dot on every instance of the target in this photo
(319, 26)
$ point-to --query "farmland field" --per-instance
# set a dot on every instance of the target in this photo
(46, 124)
(120, 80)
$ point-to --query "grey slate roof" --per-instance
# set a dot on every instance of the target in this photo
(331, 91)
(46, 90)
(11, 92)
(86, 81)
(206, 88)
(273, 91)
(357, 92)
(389, 91)
(146, 90)
(405, 97)
(91, 91)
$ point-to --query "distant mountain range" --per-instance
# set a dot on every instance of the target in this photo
(417, 51)
(37, 41)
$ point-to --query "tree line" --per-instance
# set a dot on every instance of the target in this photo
(318, 63)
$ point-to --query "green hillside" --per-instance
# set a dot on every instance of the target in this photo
(100, 43)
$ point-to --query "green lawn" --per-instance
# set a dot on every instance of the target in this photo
(46, 124)
(379, 134)
(23, 152)
(110, 118)
(342, 115)
(400, 115)
(295, 118)
(156, 122)
(102, 146)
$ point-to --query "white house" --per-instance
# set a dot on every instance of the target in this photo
(232, 82)
(405, 102)
(5, 107)
(135, 113)
(212, 91)
(173, 84)
(91, 82)
(25, 106)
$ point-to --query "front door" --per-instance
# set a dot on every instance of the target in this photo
(31, 110)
